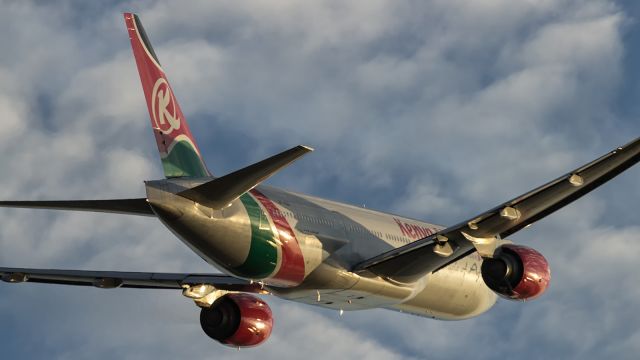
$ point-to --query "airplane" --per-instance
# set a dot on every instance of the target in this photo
(268, 241)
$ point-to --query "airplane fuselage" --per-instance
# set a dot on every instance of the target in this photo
(302, 249)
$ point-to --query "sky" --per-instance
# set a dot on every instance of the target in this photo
(436, 109)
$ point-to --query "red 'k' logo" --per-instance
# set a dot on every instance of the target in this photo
(163, 107)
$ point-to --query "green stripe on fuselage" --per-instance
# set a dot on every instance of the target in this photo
(183, 160)
(263, 254)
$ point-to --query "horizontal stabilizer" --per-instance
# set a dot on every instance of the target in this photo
(121, 206)
(117, 279)
(220, 192)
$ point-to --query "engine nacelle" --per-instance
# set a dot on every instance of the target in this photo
(238, 320)
(516, 272)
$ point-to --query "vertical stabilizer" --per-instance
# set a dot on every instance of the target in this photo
(178, 150)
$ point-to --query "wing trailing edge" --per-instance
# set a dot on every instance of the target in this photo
(220, 192)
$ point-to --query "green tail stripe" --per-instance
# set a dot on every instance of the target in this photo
(263, 253)
(183, 160)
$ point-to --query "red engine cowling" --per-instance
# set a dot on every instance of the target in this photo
(238, 320)
(517, 272)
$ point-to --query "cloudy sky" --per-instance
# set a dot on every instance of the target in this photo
(435, 109)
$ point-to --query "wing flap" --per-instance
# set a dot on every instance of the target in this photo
(412, 261)
(116, 279)
(138, 206)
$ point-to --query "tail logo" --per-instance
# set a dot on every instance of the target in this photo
(163, 107)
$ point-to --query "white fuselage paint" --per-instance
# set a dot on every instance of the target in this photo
(333, 238)
(454, 292)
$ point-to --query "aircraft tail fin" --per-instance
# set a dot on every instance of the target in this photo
(178, 150)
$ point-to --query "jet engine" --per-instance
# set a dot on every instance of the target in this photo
(516, 272)
(237, 320)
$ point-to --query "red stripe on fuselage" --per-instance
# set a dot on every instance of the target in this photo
(291, 270)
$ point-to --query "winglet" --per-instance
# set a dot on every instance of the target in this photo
(220, 192)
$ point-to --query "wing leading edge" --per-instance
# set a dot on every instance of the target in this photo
(412, 261)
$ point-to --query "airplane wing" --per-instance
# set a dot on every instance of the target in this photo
(118, 279)
(483, 232)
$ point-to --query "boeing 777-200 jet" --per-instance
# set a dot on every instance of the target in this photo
(310, 250)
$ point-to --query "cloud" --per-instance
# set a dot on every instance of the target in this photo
(436, 109)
